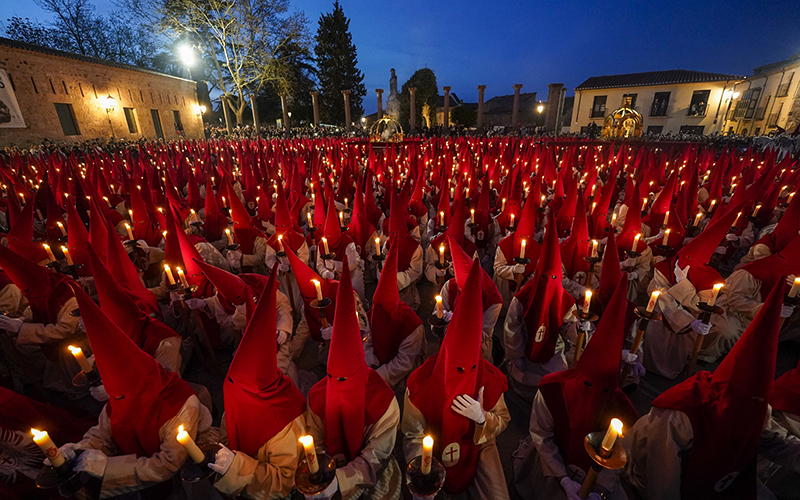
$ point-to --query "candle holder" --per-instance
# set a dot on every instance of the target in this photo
(694, 231)
(232, 246)
(522, 260)
(633, 254)
(314, 484)
(437, 325)
(53, 265)
(425, 485)
(130, 243)
(733, 229)
(280, 254)
(644, 319)
(472, 225)
(321, 304)
(192, 472)
(590, 316)
(665, 249)
(593, 260)
(326, 256)
(579, 344)
(91, 379)
(757, 221)
(705, 316)
(64, 478)
(226, 210)
(613, 460)
(440, 229)
(511, 229)
(706, 311)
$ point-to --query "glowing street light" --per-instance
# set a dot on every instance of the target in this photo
(109, 102)
(540, 108)
(187, 55)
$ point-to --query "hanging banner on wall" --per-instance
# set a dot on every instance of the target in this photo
(10, 115)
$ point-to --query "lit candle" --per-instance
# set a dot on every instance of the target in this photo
(229, 235)
(128, 229)
(594, 249)
(758, 207)
(311, 454)
(168, 272)
(542, 200)
(50, 254)
(512, 220)
(308, 218)
(666, 238)
(666, 218)
(715, 293)
(48, 447)
(318, 288)
(441, 254)
(67, 256)
(61, 227)
(736, 219)
(107, 202)
(21, 195)
(439, 310)
(472, 215)
(614, 430)
(644, 204)
(613, 219)
(427, 455)
(280, 243)
(190, 446)
(86, 367)
(378, 247)
(441, 218)
(635, 242)
(325, 246)
(503, 206)
(224, 204)
(341, 218)
(587, 301)
(795, 288)
(711, 206)
(182, 277)
(653, 299)
(698, 218)
(522, 249)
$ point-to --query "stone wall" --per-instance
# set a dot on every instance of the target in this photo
(43, 77)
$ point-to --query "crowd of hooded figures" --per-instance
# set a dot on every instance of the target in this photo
(382, 300)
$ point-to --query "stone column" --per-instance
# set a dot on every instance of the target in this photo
(346, 94)
(515, 107)
(315, 102)
(553, 106)
(255, 112)
(285, 112)
(412, 108)
(481, 89)
(446, 119)
(226, 112)
(379, 93)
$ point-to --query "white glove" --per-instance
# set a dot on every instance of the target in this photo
(519, 268)
(328, 274)
(283, 336)
(447, 315)
(637, 369)
(195, 304)
(629, 262)
(701, 328)
(222, 460)
(658, 236)
(587, 326)
(467, 407)
(12, 325)
(633, 275)
(312, 248)
(234, 258)
(681, 274)
(99, 393)
(326, 332)
(441, 272)
(68, 450)
(284, 267)
(571, 488)
(143, 245)
(327, 493)
(786, 311)
(721, 250)
(731, 237)
(92, 462)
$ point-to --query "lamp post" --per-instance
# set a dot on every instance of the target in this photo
(110, 102)
(187, 58)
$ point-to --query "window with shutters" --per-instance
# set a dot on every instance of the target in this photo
(660, 104)
(783, 88)
(599, 106)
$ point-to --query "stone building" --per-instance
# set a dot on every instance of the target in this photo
(66, 97)
(669, 101)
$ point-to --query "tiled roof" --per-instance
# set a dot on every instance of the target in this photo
(71, 55)
(667, 77)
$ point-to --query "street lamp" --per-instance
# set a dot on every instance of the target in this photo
(109, 103)
(540, 108)
(187, 56)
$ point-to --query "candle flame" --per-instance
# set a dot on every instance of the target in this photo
(181, 431)
(617, 425)
(427, 442)
(37, 434)
(718, 286)
(439, 297)
(306, 440)
(656, 293)
(74, 350)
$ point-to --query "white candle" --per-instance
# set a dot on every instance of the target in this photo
(280, 242)
(341, 218)
(503, 206)
(666, 238)
(229, 235)
(635, 242)
(666, 218)
(441, 254)
(613, 219)
(795, 288)
(758, 207)
(190, 446)
(542, 200)
(441, 218)
(512, 220)
(644, 204)
(61, 227)
(698, 218)
(50, 254)
(653, 299)
(472, 215)
(378, 247)
(318, 288)
(325, 246)
(182, 277)
(128, 229)
(522, 249)
(168, 272)
(711, 206)
(427, 455)
(614, 430)
(86, 367)
(594, 249)
(67, 256)
(439, 310)
(715, 293)
(311, 453)
(587, 301)
(48, 447)
(736, 219)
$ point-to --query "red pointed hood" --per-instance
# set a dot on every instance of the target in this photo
(341, 397)
(304, 276)
(215, 221)
(610, 272)
(259, 399)
(146, 332)
(46, 292)
(143, 396)
(577, 246)
(391, 321)
(20, 236)
(285, 226)
(125, 272)
(457, 369)
(243, 228)
(632, 226)
(188, 256)
(773, 268)
(787, 228)
(462, 263)
(78, 241)
(230, 286)
(332, 231)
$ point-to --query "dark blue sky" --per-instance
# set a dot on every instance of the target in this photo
(498, 44)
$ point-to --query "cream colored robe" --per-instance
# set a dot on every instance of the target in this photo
(409, 357)
(504, 276)
(658, 440)
(490, 316)
(490, 482)
(256, 260)
(666, 353)
(356, 268)
(270, 474)
(128, 473)
(287, 282)
(12, 302)
(374, 474)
